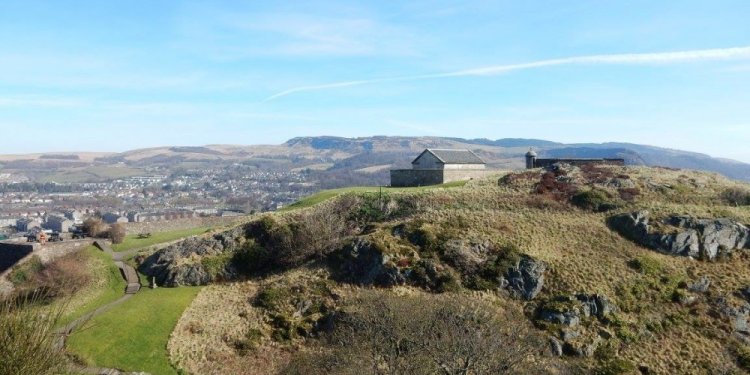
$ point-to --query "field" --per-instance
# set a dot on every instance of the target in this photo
(90, 174)
(133, 336)
(107, 285)
(133, 242)
(328, 194)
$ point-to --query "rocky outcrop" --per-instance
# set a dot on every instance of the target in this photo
(465, 256)
(361, 263)
(526, 279)
(700, 286)
(683, 235)
(736, 314)
(181, 263)
(568, 311)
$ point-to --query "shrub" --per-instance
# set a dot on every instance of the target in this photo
(554, 184)
(94, 227)
(628, 194)
(62, 276)
(742, 353)
(615, 367)
(271, 298)
(433, 276)
(646, 265)
(216, 265)
(736, 196)
(595, 200)
(250, 342)
(117, 233)
(280, 244)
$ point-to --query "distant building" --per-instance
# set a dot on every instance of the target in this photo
(75, 216)
(27, 224)
(141, 217)
(112, 218)
(533, 161)
(439, 166)
(59, 224)
(231, 213)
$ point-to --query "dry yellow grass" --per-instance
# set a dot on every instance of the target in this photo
(583, 254)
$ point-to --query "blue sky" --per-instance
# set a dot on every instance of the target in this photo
(117, 75)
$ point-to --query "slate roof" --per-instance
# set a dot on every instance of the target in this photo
(451, 156)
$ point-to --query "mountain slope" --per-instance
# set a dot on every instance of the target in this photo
(377, 153)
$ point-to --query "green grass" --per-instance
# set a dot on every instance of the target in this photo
(133, 336)
(133, 242)
(325, 195)
(109, 286)
(91, 174)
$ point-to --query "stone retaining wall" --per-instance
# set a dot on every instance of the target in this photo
(11, 253)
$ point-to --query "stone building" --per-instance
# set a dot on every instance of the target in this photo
(113, 217)
(440, 166)
(26, 224)
(533, 161)
(58, 224)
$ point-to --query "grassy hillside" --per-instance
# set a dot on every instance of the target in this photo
(325, 195)
(438, 243)
(133, 336)
(134, 241)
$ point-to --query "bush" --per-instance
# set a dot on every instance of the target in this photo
(736, 197)
(595, 200)
(433, 276)
(117, 233)
(615, 367)
(280, 244)
(216, 265)
(646, 265)
(62, 276)
(94, 227)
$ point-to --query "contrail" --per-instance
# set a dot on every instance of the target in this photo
(617, 59)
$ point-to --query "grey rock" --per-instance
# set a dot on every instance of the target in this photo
(526, 279)
(721, 235)
(174, 265)
(466, 257)
(697, 238)
(700, 286)
(633, 226)
(569, 318)
(361, 263)
(596, 305)
(569, 335)
(582, 349)
(556, 347)
(737, 315)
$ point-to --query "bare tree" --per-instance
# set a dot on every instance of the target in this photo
(94, 226)
(117, 232)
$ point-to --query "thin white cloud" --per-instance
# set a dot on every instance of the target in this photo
(737, 53)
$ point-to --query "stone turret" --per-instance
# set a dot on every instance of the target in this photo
(531, 159)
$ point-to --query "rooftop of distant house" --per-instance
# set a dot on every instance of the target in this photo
(453, 156)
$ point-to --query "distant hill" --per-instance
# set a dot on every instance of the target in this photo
(365, 155)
